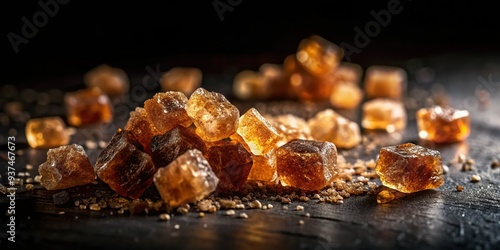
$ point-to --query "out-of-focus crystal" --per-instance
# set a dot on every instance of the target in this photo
(305, 85)
(88, 106)
(112, 81)
(329, 126)
(385, 82)
(47, 132)
(346, 95)
(318, 56)
(290, 127)
(183, 79)
(385, 114)
(443, 124)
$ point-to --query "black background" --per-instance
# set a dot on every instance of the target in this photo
(134, 34)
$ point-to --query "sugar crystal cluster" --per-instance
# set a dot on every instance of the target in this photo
(47, 132)
(443, 124)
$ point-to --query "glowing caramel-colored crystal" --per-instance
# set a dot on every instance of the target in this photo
(443, 124)
(213, 115)
(385, 114)
(346, 96)
(277, 81)
(47, 132)
(410, 168)
(66, 166)
(88, 106)
(250, 85)
(329, 126)
(112, 81)
(141, 128)
(348, 72)
(188, 178)
(264, 168)
(385, 82)
(309, 165)
(318, 56)
(258, 133)
(305, 85)
(183, 79)
(167, 110)
(290, 127)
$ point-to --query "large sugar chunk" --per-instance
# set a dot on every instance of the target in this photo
(88, 106)
(112, 81)
(166, 110)
(442, 125)
(126, 169)
(188, 178)
(410, 168)
(214, 116)
(257, 132)
(385, 82)
(264, 168)
(46, 132)
(166, 147)
(290, 127)
(309, 165)
(141, 128)
(385, 114)
(231, 163)
(329, 126)
(66, 166)
(318, 55)
(183, 79)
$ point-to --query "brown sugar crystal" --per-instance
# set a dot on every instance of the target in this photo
(183, 79)
(264, 168)
(214, 116)
(88, 106)
(348, 73)
(47, 132)
(309, 165)
(346, 95)
(124, 167)
(385, 114)
(112, 81)
(257, 132)
(250, 85)
(410, 168)
(166, 147)
(66, 166)
(141, 128)
(327, 125)
(318, 55)
(188, 178)
(443, 124)
(167, 110)
(290, 127)
(231, 163)
(385, 82)
(276, 81)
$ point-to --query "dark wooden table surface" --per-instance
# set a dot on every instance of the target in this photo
(441, 218)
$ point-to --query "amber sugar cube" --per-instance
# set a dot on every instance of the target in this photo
(385, 82)
(346, 95)
(88, 106)
(112, 81)
(66, 166)
(48, 132)
(264, 167)
(277, 82)
(443, 124)
(231, 163)
(305, 85)
(329, 126)
(257, 132)
(167, 110)
(348, 72)
(250, 85)
(124, 167)
(166, 147)
(214, 116)
(410, 168)
(183, 79)
(141, 128)
(318, 55)
(290, 127)
(309, 165)
(188, 178)
(385, 114)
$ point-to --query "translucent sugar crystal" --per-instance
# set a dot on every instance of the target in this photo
(385, 82)
(167, 110)
(166, 147)
(231, 163)
(318, 56)
(66, 166)
(386, 114)
(264, 167)
(443, 124)
(214, 116)
(141, 128)
(257, 132)
(346, 95)
(410, 168)
(183, 79)
(348, 72)
(47, 132)
(305, 85)
(112, 81)
(290, 127)
(276, 80)
(124, 167)
(188, 178)
(88, 106)
(329, 126)
(309, 165)
(249, 85)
